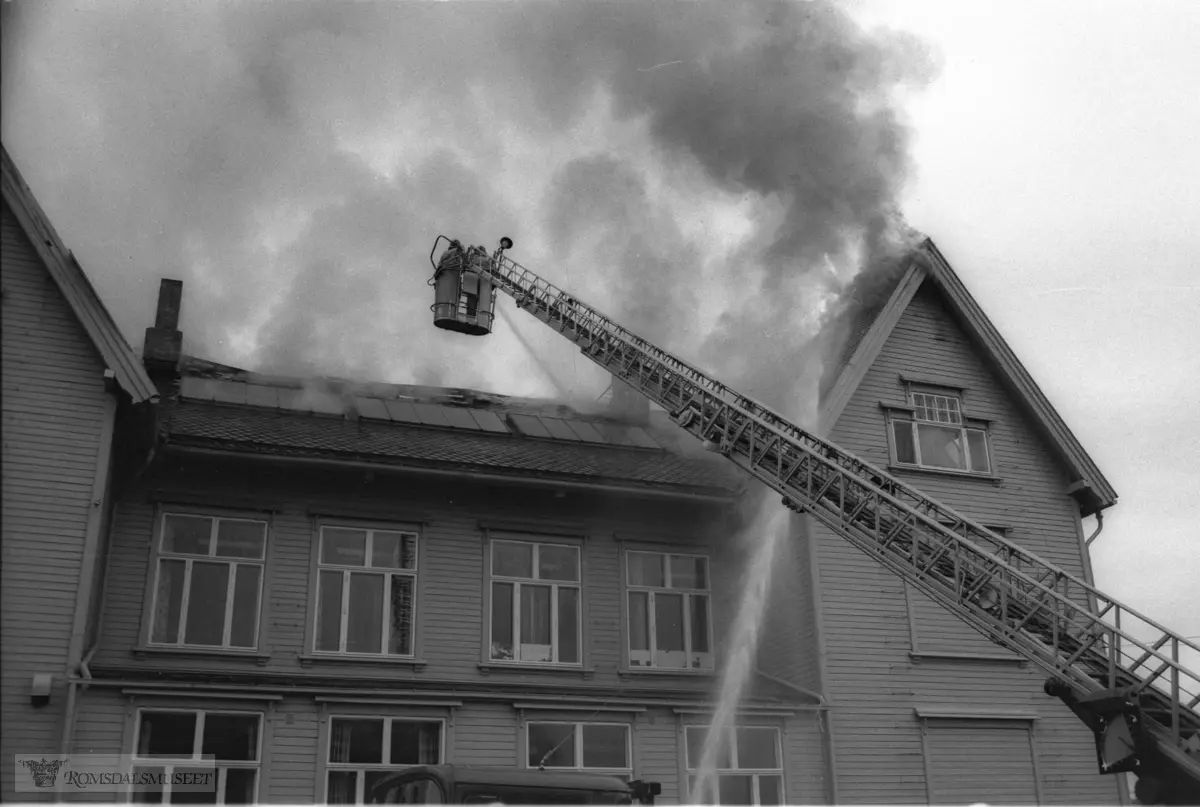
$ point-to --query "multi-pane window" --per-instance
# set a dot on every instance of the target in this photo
(208, 585)
(580, 746)
(178, 741)
(939, 436)
(535, 603)
(668, 608)
(363, 751)
(748, 769)
(366, 591)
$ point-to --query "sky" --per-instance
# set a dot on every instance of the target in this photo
(712, 175)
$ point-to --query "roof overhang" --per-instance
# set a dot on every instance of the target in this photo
(1088, 487)
(73, 282)
(483, 474)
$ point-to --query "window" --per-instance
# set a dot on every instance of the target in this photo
(535, 603)
(580, 746)
(749, 770)
(954, 748)
(668, 602)
(937, 435)
(209, 582)
(366, 591)
(364, 751)
(175, 741)
(937, 631)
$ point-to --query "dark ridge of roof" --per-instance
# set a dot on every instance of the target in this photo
(861, 303)
(291, 433)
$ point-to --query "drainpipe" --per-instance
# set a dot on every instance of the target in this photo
(93, 531)
(1099, 528)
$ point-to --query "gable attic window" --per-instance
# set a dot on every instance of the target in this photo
(934, 433)
(208, 587)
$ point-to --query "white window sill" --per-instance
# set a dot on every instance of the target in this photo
(686, 672)
(990, 658)
(188, 651)
(487, 667)
(309, 659)
(919, 469)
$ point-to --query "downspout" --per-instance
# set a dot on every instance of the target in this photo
(84, 672)
(97, 506)
(1099, 528)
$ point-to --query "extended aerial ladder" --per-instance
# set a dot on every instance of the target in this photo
(1119, 671)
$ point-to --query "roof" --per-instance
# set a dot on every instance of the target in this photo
(226, 409)
(118, 356)
(1090, 488)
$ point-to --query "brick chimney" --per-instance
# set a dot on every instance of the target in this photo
(164, 342)
(628, 404)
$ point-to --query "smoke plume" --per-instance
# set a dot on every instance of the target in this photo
(709, 173)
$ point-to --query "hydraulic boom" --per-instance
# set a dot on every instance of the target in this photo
(1133, 692)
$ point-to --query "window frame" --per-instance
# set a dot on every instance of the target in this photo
(147, 642)
(222, 766)
(907, 413)
(627, 588)
(317, 567)
(328, 766)
(491, 538)
(690, 771)
(625, 772)
(917, 628)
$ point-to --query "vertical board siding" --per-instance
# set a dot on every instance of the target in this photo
(873, 681)
(53, 418)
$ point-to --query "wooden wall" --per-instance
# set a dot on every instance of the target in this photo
(875, 680)
(55, 414)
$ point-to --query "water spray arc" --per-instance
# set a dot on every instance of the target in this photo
(1134, 693)
(767, 532)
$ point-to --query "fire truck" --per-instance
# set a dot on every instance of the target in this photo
(1134, 693)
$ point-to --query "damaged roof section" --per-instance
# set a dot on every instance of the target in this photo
(228, 409)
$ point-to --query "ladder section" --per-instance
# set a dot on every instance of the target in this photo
(1071, 629)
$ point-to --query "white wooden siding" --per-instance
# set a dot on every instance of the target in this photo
(873, 681)
(449, 615)
(955, 748)
(788, 648)
(53, 417)
(656, 754)
(485, 734)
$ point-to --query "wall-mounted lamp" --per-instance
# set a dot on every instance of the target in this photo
(39, 691)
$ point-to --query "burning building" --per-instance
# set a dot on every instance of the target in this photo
(320, 583)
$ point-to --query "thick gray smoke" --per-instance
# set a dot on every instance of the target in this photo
(292, 163)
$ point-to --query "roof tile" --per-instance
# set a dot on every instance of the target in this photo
(294, 433)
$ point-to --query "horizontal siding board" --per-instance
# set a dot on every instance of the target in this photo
(873, 680)
(53, 405)
(449, 615)
(955, 750)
